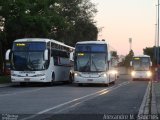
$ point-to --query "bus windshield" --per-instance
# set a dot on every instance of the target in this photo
(141, 64)
(28, 61)
(91, 62)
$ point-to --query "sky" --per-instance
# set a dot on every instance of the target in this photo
(124, 19)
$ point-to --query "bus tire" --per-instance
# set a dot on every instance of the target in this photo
(113, 82)
(22, 84)
(70, 78)
(106, 85)
(117, 76)
(53, 79)
(80, 84)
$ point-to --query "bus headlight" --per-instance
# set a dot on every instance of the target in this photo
(77, 74)
(149, 73)
(103, 75)
(133, 73)
(113, 72)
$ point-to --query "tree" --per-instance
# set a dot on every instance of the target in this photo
(62, 20)
(114, 54)
(79, 16)
(128, 58)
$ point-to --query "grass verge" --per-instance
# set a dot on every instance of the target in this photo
(5, 79)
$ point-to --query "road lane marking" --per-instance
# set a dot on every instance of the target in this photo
(144, 102)
(95, 94)
(105, 92)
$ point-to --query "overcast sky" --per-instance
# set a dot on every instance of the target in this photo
(124, 19)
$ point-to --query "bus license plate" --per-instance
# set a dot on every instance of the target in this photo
(90, 79)
(26, 79)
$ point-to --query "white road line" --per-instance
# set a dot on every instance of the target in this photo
(144, 102)
(77, 99)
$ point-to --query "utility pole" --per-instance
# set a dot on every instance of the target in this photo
(155, 44)
(158, 35)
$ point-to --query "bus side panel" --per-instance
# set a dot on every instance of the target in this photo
(61, 73)
(49, 71)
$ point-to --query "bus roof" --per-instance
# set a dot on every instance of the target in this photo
(141, 56)
(92, 42)
(42, 40)
(32, 40)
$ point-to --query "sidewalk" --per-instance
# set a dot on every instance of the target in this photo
(156, 89)
(6, 85)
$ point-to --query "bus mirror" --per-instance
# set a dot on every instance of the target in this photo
(46, 55)
(72, 56)
(150, 63)
(7, 54)
(109, 57)
(130, 63)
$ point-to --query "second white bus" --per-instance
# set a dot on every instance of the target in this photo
(93, 63)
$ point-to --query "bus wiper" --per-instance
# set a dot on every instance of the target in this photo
(86, 67)
(95, 66)
(30, 65)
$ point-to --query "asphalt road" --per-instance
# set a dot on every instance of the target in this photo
(68, 101)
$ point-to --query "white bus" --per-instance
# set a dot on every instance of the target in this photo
(39, 60)
(93, 63)
(141, 67)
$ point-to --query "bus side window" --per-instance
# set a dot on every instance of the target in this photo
(64, 61)
(55, 60)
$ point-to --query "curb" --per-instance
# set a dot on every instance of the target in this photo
(149, 105)
(154, 109)
(5, 85)
(145, 106)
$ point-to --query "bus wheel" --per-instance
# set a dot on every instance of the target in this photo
(70, 78)
(113, 82)
(22, 84)
(117, 76)
(80, 84)
(106, 84)
(53, 79)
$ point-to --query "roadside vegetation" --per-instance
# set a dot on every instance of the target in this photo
(5, 79)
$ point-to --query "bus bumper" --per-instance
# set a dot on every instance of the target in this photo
(141, 75)
(97, 80)
(28, 79)
(28, 76)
